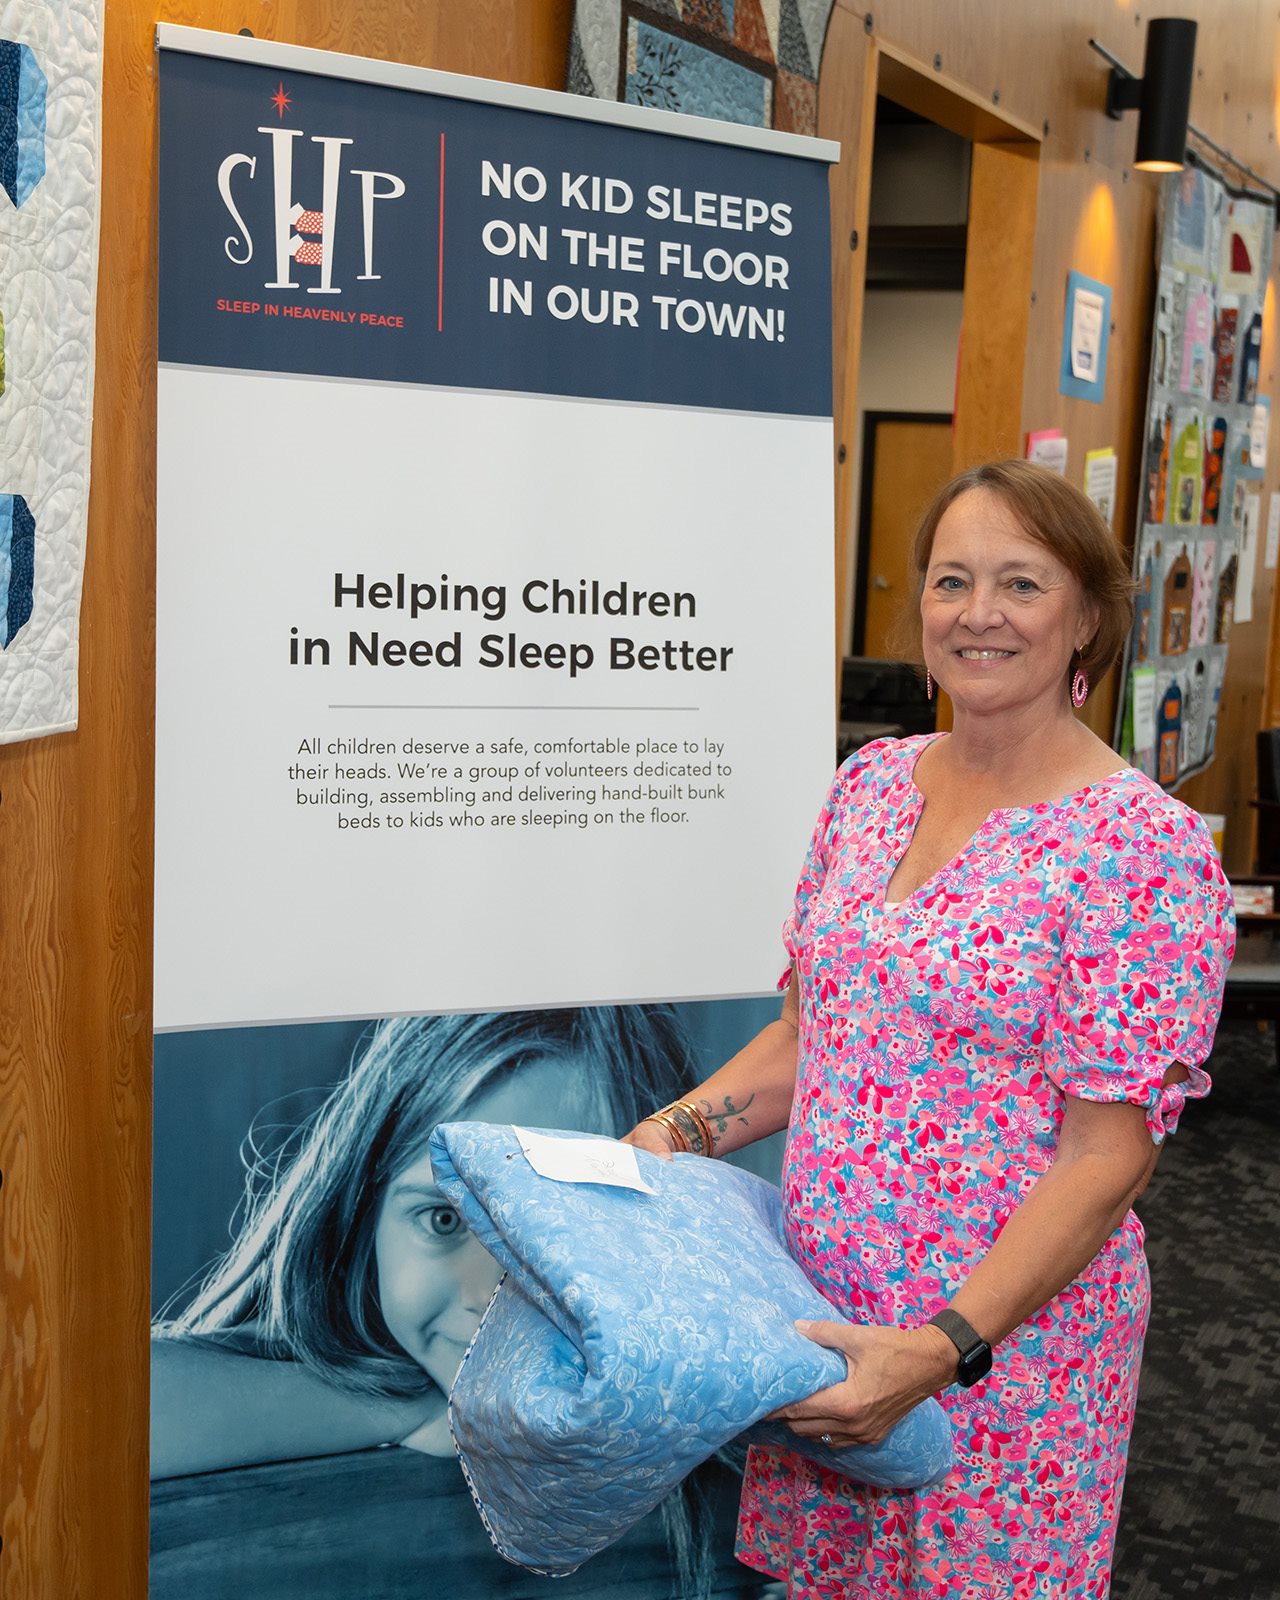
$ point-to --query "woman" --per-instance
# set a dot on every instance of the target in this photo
(339, 1316)
(1007, 956)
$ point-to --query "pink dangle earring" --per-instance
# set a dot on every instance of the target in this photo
(928, 684)
(1079, 688)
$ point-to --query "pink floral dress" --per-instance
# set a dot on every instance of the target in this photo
(1076, 947)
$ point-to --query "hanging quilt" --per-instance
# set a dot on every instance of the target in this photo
(752, 61)
(50, 86)
(1199, 501)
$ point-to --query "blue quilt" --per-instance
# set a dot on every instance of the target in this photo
(633, 1336)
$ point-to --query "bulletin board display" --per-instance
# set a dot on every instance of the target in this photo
(1196, 546)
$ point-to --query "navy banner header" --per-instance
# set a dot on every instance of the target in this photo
(359, 230)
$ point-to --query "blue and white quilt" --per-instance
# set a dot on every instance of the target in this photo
(634, 1335)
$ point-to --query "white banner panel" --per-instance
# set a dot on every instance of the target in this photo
(494, 551)
(510, 798)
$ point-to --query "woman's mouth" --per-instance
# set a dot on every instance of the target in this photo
(984, 655)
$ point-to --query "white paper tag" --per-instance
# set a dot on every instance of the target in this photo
(1086, 334)
(583, 1160)
(1259, 426)
(1144, 708)
(1273, 532)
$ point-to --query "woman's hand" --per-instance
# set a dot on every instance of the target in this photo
(653, 1137)
(890, 1371)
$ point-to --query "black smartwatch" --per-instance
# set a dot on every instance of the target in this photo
(975, 1352)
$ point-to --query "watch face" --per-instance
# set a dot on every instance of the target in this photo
(975, 1363)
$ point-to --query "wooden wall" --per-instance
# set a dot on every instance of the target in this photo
(75, 814)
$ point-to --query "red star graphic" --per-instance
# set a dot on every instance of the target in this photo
(280, 100)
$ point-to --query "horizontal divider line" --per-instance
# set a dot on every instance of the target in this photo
(360, 706)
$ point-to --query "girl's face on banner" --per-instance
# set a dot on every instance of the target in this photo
(434, 1280)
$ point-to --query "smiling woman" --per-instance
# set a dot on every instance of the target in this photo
(1006, 963)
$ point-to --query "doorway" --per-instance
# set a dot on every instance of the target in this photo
(945, 198)
(912, 309)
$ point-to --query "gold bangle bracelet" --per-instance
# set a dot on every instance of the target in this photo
(671, 1127)
(694, 1130)
(679, 1134)
(689, 1126)
(704, 1127)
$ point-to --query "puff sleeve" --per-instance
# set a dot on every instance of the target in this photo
(1144, 961)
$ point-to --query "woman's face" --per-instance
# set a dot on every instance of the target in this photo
(434, 1280)
(1001, 614)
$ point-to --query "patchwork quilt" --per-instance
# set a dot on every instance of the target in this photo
(50, 88)
(751, 61)
(634, 1335)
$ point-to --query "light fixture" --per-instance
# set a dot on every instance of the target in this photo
(1161, 96)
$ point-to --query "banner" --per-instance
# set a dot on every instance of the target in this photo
(494, 708)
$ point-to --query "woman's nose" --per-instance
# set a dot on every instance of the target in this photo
(981, 609)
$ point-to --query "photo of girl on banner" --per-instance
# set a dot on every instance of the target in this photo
(335, 1322)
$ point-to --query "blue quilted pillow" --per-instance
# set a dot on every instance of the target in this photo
(634, 1335)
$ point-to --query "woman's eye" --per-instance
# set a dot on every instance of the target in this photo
(441, 1221)
(950, 584)
(1025, 585)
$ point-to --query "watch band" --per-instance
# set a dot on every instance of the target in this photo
(975, 1352)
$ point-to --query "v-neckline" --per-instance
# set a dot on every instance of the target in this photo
(997, 814)
(917, 804)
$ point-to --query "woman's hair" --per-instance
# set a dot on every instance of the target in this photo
(301, 1276)
(1066, 522)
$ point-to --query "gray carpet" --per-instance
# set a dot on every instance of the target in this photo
(1201, 1510)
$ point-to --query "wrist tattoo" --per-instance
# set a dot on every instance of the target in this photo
(719, 1120)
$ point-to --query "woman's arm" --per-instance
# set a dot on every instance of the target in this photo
(212, 1407)
(1105, 1159)
(750, 1096)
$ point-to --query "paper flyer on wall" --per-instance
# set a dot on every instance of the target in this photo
(494, 709)
(1100, 470)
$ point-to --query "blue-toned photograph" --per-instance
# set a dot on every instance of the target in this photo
(314, 1294)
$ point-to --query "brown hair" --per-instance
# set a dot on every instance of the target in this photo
(1057, 515)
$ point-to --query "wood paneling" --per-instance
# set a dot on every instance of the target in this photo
(847, 113)
(997, 301)
(75, 877)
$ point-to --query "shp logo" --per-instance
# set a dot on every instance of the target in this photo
(301, 237)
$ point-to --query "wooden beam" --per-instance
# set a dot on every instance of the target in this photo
(941, 99)
(847, 112)
(997, 302)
